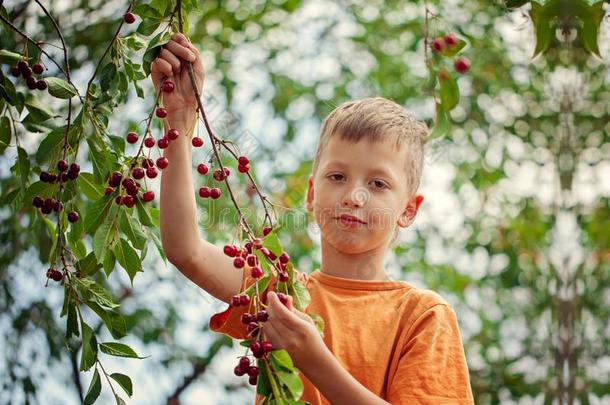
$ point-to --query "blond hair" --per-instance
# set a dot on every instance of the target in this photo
(378, 119)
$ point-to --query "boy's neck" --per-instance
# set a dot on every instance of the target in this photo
(363, 266)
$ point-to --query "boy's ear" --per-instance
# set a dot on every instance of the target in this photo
(408, 215)
(309, 204)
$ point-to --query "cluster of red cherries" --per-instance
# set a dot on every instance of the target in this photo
(65, 173)
(23, 69)
(449, 41)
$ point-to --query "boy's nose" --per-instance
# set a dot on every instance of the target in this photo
(357, 197)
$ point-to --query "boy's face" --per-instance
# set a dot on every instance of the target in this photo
(366, 180)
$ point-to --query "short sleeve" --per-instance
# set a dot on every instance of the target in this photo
(432, 368)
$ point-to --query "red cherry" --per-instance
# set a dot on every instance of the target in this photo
(253, 380)
(162, 162)
(267, 346)
(42, 84)
(37, 202)
(251, 259)
(267, 230)
(252, 326)
(244, 300)
(128, 201)
(256, 272)
(161, 112)
(148, 196)
(163, 142)
(235, 301)
(15, 71)
(38, 68)
(283, 277)
(284, 257)
(438, 45)
(238, 262)
(242, 160)
(62, 165)
(149, 142)
(151, 173)
(132, 137)
(229, 250)
(246, 318)
(138, 173)
(243, 169)
(462, 65)
(252, 371)
(204, 192)
(197, 142)
(218, 175)
(56, 275)
(262, 316)
(451, 40)
(255, 347)
(215, 193)
(118, 200)
(31, 82)
(108, 191)
(167, 87)
(239, 371)
(115, 179)
(129, 18)
(244, 363)
(283, 298)
(173, 134)
(73, 216)
(202, 169)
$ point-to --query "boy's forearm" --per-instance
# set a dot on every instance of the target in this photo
(178, 209)
(335, 383)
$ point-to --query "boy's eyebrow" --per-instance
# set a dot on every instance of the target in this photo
(381, 170)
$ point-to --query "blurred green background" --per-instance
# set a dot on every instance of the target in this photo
(514, 230)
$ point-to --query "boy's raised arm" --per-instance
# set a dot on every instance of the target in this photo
(201, 261)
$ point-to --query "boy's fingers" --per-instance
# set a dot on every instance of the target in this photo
(180, 51)
(169, 57)
(178, 36)
(161, 67)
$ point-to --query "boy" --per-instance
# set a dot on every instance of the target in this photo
(384, 341)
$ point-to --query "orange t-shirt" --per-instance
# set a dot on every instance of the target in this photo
(401, 342)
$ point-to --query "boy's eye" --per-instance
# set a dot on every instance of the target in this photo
(380, 184)
(332, 176)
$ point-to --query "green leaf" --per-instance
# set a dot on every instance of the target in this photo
(72, 321)
(245, 343)
(94, 390)
(281, 358)
(144, 214)
(88, 265)
(442, 123)
(132, 229)
(90, 290)
(319, 322)
(542, 25)
(272, 242)
(119, 400)
(292, 381)
(89, 187)
(300, 295)
(118, 143)
(109, 262)
(9, 57)
(516, 3)
(450, 94)
(119, 350)
(6, 133)
(263, 386)
(454, 50)
(97, 212)
(128, 258)
(154, 47)
(106, 237)
(148, 26)
(98, 160)
(124, 381)
(23, 163)
(60, 88)
(89, 347)
(51, 145)
(107, 75)
(113, 320)
(589, 31)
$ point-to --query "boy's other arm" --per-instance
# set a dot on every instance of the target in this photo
(201, 261)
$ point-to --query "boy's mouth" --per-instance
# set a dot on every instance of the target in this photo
(350, 220)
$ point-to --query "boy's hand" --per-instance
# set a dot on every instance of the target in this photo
(171, 63)
(290, 329)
